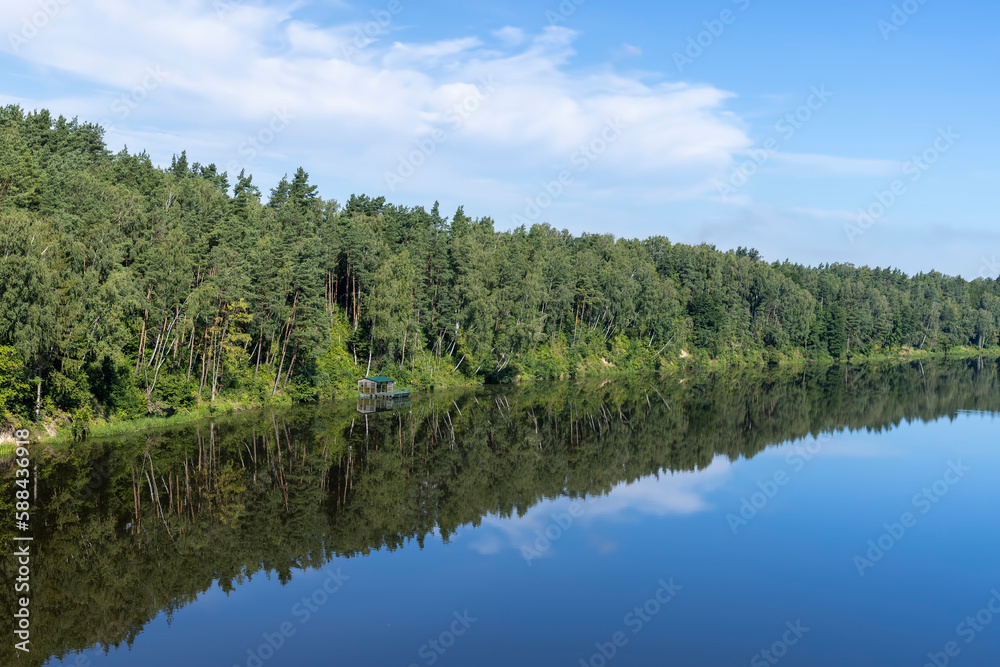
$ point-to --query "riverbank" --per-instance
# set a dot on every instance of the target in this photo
(59, 430)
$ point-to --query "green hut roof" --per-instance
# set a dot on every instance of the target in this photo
(379, 378)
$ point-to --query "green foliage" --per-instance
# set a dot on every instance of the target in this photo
(138, 290)
(390, 305)
(338, 372)
(14, 389)
(81, 422)
(175, 391)
(707, 316)
(123, 397)
(20, 177)
(836, 330)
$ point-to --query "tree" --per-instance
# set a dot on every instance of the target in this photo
(836, 330)
(13, 387)
(388, 309)
(125, 287)
(20, 177)
(985, 327)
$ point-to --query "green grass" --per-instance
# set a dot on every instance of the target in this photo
(101, 428)
(588, 368)
(909, 354)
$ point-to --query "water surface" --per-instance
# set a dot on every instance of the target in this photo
(831, 517)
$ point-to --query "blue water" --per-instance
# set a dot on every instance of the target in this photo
(664, 571)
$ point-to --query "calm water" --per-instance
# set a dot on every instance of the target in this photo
(828, 518)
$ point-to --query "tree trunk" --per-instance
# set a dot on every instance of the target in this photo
(142, 336)
(260, 344)
(405, 331)
(194, 332)
(576, 321)
(291, 364)
(204, 363)
(218, 359)
(284, 346)
(159, 338)
(142, 343)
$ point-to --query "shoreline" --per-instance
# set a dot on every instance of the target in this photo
(63, 431)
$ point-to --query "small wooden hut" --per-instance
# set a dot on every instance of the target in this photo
(377, 385)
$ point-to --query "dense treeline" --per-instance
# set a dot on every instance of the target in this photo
(127, 289)
(144, 523)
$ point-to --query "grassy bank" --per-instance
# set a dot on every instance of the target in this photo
(587, 367)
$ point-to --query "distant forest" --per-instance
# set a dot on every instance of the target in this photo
(128, 289)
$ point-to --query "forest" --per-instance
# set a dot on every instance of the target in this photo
(129, 290)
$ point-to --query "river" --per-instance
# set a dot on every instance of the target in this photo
(834, 516)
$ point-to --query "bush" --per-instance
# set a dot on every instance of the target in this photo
(14, 389)
(175, 391)
(80, 425)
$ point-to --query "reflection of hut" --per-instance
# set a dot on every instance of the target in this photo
(372, 404)
(368, 405)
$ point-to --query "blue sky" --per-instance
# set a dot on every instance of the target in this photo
(632, 118)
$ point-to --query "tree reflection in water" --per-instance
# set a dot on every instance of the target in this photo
(144, 523)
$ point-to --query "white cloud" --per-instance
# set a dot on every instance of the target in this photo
(669, 494)
(510, 36)
(627, 51)
(360, 106)
(364, 92)
(402, 55)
